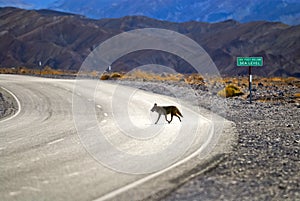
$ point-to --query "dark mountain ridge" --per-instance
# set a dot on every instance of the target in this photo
(286, 11)
(63, 41)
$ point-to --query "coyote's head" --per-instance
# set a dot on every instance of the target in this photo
(154, 107)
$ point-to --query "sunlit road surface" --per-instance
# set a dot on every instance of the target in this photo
(50, 150)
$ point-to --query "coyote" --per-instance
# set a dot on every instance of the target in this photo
(165, 110)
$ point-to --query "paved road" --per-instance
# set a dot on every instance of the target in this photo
(89, 140)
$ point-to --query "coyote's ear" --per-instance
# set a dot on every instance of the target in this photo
(155, 104)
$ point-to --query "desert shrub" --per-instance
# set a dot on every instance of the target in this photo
(194, 79)
(104, 77)
(297, 95)
(115, 75)
(230, 91)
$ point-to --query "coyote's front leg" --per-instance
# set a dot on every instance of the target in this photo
(158, 118)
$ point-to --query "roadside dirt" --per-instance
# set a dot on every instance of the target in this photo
(8, 105)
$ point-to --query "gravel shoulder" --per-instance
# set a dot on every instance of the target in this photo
(8, 104)
(264, 163)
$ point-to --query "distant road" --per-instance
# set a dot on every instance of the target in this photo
(51, 151)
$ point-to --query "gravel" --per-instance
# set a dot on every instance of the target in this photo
(264, 164)
(265, 161)
(8, 105)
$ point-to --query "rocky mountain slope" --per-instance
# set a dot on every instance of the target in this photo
(63, 40)
(286, 11)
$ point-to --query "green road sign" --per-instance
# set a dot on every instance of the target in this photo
(249, 61)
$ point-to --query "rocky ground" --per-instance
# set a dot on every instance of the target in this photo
(8, 105)
(265, 162)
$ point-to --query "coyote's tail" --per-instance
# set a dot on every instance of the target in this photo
(178, 112)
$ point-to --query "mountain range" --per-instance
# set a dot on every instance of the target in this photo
(64, 40)
(285, 11)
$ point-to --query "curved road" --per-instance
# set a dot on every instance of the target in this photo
(81, 140)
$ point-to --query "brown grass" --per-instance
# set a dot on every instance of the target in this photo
(194, 79)
(234, 85)
(47, 70)
(148, 76)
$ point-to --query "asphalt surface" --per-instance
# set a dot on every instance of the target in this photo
(89, 140)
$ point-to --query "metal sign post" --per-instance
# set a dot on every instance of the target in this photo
(250, 83)
(249, 61)
(40, 67)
